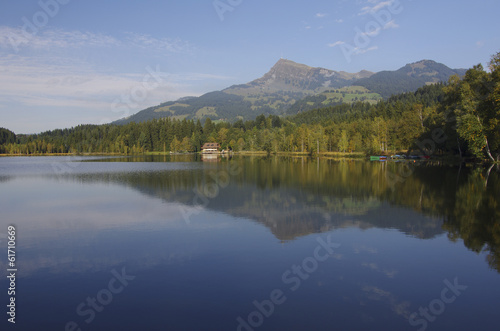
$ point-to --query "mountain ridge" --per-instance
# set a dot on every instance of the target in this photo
(408, 78)
(289, 82)
(293, 74)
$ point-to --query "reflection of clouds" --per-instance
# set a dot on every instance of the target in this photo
(61, 226)
(360, 249)
(375, 267)
(374, 293)
(81, 258)
(337, 256)
(89, 215)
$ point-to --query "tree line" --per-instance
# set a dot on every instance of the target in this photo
(461, 117)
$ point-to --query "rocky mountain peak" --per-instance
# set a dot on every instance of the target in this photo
(302, 77)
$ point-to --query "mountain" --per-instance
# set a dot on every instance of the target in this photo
(290, 87)
(408, 78)
(286, 83)
(289, 76)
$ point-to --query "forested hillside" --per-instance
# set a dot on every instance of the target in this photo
(7, 136)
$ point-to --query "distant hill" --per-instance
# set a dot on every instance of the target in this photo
(290, 88)
(408, 78)
(7, 136)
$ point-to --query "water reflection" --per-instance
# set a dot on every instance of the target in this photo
(212, 237)
(294, 197)
(308, 196)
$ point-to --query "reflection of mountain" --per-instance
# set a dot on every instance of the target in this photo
(302, 196)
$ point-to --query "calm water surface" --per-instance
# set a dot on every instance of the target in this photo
(250, 244)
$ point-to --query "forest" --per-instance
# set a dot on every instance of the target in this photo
(460, 117)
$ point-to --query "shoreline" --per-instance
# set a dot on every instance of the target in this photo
(327, 155)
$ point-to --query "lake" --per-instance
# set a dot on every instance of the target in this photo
(249, 243)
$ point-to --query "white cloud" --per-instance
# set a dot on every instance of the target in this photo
(321, 15)
(339, 20)
(391, 25)
(376, 31)
(337, 43)
(373, 32)
(365, 50)
(376, 7)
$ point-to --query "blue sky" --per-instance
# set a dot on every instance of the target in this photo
(70, 62)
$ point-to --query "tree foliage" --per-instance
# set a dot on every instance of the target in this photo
(472, 107)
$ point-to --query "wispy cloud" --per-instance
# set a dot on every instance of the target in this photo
(91, 77)
(359, 51)
(47, 68)
(321, 15)
(48, 39)
(374, 32)
(12, 38)
(27, 79)
(376, 7)
(391, 25)
(337, 43)
(354, 50)
(164, 44)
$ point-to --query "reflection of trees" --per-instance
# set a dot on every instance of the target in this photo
(4, 179)
(298, 196)
(476, 216)
(291, 196)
